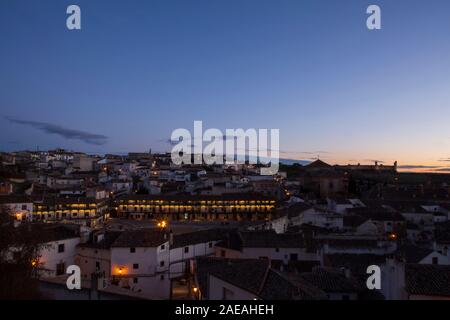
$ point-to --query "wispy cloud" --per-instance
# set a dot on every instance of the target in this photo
(413, 166)
(444, 160)
(192, 140)
(304, 152)
(374, 160)
(445, 169)
(89, 138)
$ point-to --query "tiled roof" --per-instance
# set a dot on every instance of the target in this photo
(428, 279)
(246, 274)
(270, 239)
(442, 232)
(295, 209)
(44, 232)
(202, 236)
(356, 263)
(255, 276)
(15, 199)
(412, 253)
(351, 242)
(71, 200)
(141, 238)
(279, 286)
(186, 197)
(106, 243)
(376, 214)
(237, 240)
(331, 281)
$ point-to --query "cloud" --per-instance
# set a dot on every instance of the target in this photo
(444, 160)
(413, 166)
(374, 160)
(71, 134)
(308, 152)
(193, 140)
(446, 169)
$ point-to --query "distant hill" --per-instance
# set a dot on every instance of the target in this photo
(290, 162)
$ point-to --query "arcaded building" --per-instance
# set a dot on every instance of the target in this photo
(236, 207)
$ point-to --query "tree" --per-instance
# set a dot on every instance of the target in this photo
(19, 253)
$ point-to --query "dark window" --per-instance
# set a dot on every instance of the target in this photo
(136, 266)
(61, 247)
(435, 260)
(135, 280)
(345, 297)
(24, 207)
(16, 255)
(132, 250)
(186, 249)
(162, 277)
(161, 263)
(277, 249)
(210, 244)
(294, 257)
(97, 265)
(60, 269)
(222, 253)
(163, 247)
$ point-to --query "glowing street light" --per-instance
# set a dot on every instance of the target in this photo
(392, 236)
(162, 224)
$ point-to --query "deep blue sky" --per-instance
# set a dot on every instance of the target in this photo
(139, 69)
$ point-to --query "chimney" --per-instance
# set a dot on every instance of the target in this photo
(170, 237)
(347, 272)
(99, 237)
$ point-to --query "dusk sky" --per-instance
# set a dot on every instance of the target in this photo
(140, 69)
